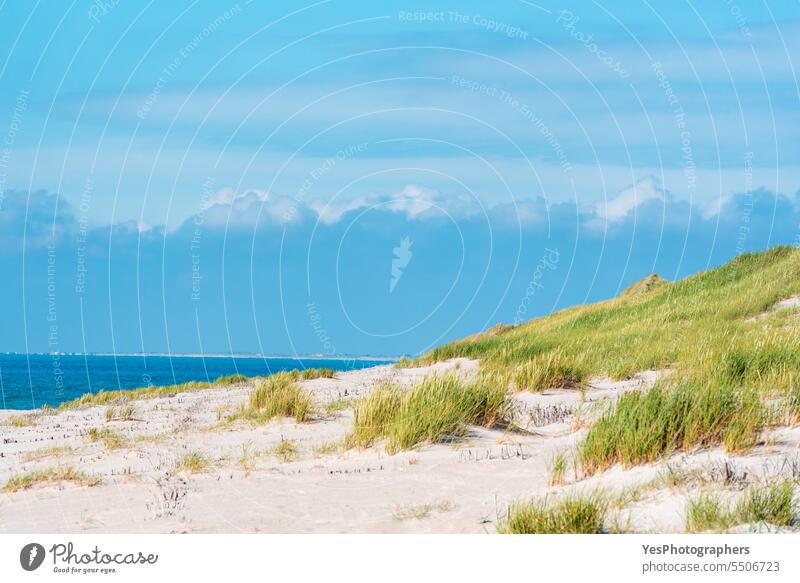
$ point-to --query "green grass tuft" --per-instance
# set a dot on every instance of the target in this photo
(573, 514)
(316, 373)
(277, 396)
(771, 503)
(23, 421)
(50, 476)
(286, 451)
(548, 371)
(436, 409)
(642, 427)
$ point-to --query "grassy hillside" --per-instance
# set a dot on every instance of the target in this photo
(707, 327)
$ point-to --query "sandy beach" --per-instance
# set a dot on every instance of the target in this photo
(255, 482)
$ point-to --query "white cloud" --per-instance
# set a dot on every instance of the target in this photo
(414, 200)
(643, 190)
(228, 207)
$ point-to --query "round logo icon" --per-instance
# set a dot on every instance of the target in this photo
(31, 556)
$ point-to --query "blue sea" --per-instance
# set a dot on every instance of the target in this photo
(28, 381)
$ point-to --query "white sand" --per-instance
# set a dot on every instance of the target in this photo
(461, 487)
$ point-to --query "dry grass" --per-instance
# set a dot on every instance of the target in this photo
(642, 427)
(194, 463)
(331, 408)
(111, 439)
(122, 396)
(286, 451)
(247, 458)
(46, 452)
(23, 421)
(558, 469)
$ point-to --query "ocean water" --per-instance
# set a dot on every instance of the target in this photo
(28, 381)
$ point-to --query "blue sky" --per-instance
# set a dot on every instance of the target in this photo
(279, 153)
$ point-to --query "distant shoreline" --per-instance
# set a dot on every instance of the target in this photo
(221, 355)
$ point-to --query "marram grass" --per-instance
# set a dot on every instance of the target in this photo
(436, 409)
(277, 396)
(644, 426)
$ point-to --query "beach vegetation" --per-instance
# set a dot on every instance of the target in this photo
(23, 420)
(110, 438)
(570, 514)
(194, 462)
(439, 408)
(128, 412)
(122, 396)
(773, 504)
(709, 324)
(286, 451)
(50, 476)
(644, 426)
(46, 452)
(328, 448)
(420, 511)
(558, 469)
(276, 396)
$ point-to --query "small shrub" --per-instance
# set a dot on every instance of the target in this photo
(574, 514)
(111, 413)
